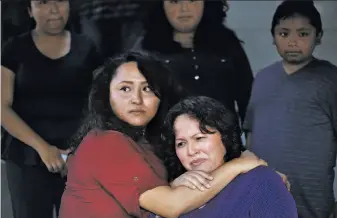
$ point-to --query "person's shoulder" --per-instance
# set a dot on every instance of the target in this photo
(324, 75)
(105, 141)
(264, 171)
(99, 144)
(327, 68)
(268, 70)
(16, 41)
(262, 174)
(81, 37)
(107, 135)
(327, 64)
(84, 42)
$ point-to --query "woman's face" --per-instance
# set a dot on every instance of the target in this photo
(196, 150)
(50, 16)
(183, 15)
(131, 98)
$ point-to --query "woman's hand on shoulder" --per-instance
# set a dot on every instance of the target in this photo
(285, 180)
(193, 179)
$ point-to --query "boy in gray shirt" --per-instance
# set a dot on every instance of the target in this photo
(292, 115)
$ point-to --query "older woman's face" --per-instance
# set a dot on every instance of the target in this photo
(183, 15)
(131, 98)
(196, 150)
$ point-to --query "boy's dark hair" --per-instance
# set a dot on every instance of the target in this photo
(305, 8)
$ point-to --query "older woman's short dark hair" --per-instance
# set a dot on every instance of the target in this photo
(211, 114)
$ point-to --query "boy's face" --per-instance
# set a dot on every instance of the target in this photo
(295, 39)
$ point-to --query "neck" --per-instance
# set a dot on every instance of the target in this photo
(292, 68)
(185, 39)
(42, 35)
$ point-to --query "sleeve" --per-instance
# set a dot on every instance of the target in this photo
(327, 99)
(334, 114)
(243, 78)
(272, 199)
(122, 171)
(9, 55)
(333, 106)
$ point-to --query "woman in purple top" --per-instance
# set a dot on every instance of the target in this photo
(201, 135)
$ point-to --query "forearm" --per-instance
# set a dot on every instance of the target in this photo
(191, 199)
(169, 202)
(16, 127)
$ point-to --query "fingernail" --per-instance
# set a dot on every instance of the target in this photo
(208, 186)
(202, 189)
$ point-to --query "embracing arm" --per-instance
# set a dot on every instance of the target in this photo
(172, 202)
(152, 193)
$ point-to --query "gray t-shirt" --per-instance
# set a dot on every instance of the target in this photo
(293, 121)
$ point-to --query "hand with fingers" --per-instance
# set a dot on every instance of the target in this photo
(193, 179)
(285, 180)
(51, 157)
(66, 158)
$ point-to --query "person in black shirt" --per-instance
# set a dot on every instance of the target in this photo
(206, 56)
(45, 80)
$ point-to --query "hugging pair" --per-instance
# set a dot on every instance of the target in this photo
(116, 169)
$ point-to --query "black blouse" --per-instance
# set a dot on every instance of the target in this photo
(225, 76)
(50, 95)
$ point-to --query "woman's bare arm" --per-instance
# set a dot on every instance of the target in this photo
(172, 202)
(16, 127)
(13, 124)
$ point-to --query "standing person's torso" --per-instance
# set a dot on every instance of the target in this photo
(204, 73)
(217, 65)
(50, 95)
(292, 129)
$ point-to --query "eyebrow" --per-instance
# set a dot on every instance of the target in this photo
(191, 136)
(300, 29)
(131, 82)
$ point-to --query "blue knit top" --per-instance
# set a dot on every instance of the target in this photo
(259, 193)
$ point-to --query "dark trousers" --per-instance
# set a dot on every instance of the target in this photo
(34, 191)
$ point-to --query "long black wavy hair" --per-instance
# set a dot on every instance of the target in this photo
(211, 34)
(210, 114)
(100, 115)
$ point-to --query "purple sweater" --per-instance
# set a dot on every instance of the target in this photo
(259, 193)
